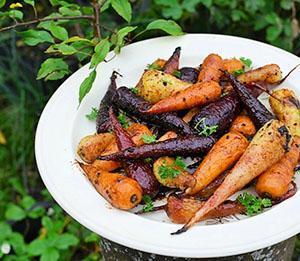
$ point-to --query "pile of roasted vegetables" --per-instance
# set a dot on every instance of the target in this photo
(196, 136)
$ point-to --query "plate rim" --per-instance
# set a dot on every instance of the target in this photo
(134, 243)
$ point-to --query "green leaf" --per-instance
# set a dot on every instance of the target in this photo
(119, 40)
(33, 37)
(50, 254)
(36, 212)
(47, 223)
(170, 9)
(15, 14)
(2, 3)
(273, 32)
(148, 138)
(5, 230)
(92, 116)
(29, 2)
(86, 85)
(37, 247)
(66, 240)
(62, 48)
(168, 26)
(148, 203)
(52, 66)
(92, 237)
(101, 50)
(286, 4)
(123, 8)
(27, 202)
(105, 6)
(190, 5)
(59, 32)
(14, 212)
(17, 242)
(66, 11)
(77, 39)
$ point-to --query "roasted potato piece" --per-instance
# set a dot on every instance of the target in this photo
(182, 179)
(288, 110)
(269, 73)
(91, 146)
(122, 192)
(232, 65)
(156, 85)
(244, 125)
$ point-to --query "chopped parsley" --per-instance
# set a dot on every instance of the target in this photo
(123, 120)
(148, 160)
(247, 62)
(134, 90)
(148, 203)
(171, 171)
(154, 66)
(176, 73)
(148, 138)
(239, 72)
(205, 129)
(254, 205)
(92, 116)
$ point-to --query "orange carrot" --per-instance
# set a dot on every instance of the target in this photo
(275, 181)
(195, 95)
(190, 114)
(244, 125)
(221, 157)
(232, 65)
(211, 68)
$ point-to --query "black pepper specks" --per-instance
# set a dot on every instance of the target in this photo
(133, 198)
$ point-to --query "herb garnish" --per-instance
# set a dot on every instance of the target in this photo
(134, 90)
(148, 138)
(173, 170)
(247, 62)
(148, 203)
(206, 130)
(176, 73)
(154, 66)
(92, 116)
(123, 120)
(254, 205)
(239, 72)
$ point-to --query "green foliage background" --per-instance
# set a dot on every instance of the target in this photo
(31, 223)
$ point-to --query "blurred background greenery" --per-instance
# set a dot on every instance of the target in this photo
(31, 223)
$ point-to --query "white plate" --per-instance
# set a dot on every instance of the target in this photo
(62, 124)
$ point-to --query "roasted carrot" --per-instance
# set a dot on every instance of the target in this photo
(269, 73)
(258, 113)
(168, 135)
(173, 62)
(232, 65)
(136, 132)
(221, 157)
(267, 147)
(275, 181)
(244, 125)
(190, 114)
(181, 210)
(92, 146)
(122, 192)
(210, 68)
(137, 169)
(195, 95)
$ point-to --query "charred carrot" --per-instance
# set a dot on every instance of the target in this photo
(244, 125)
(195, 95)
(210, 68)
(173, 62)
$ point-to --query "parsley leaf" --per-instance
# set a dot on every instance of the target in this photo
(148, 203)
(92, 116)
(134, 90)
(123, 120)
(148, 138)
(171, 171)
(205, 129)
(254, 205)
(153, 66)
(238, 72)
(246, 61)
(176, 73)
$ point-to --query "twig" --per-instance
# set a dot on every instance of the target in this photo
(96, 8)
(35, 21)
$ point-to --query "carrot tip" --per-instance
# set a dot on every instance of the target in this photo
(180, 231)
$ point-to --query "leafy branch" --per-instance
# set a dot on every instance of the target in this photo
(89, 45)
